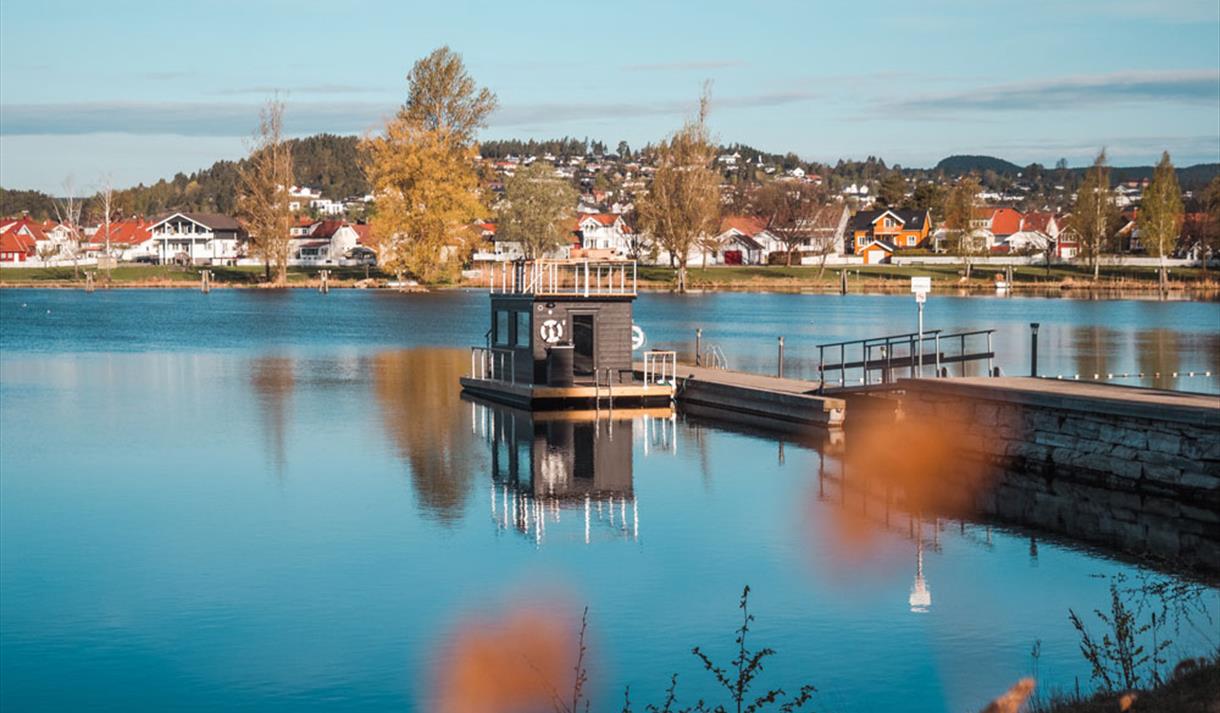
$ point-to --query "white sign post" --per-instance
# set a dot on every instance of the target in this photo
(921, 286)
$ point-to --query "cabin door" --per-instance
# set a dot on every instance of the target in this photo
(584, 347)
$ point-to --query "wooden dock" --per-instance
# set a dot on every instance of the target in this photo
(756, 396)
(532, 396)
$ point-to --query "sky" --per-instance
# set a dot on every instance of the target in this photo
(134, 91)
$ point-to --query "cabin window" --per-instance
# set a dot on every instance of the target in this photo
(501, 332)
(910, 240)
(889, 223)
(523, 329)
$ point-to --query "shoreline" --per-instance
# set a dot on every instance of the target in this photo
(1117, 289)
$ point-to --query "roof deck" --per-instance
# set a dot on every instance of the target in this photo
(565, 278)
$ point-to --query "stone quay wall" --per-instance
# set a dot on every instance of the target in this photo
(1132, 469)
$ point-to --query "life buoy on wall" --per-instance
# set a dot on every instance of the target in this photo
(551, 331)
(637, 337)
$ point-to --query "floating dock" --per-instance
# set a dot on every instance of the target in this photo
(756, 397)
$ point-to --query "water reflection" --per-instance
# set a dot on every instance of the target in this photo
(416, 390)
(273, 379)
(544, 464)
(1157, 351)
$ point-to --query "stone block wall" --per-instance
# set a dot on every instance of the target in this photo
(1141, 479)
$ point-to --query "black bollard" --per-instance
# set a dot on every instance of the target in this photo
(1033, 349)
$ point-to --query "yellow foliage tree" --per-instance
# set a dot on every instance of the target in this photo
(422, 170)
(263, 199)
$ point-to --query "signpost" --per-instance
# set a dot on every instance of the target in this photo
(921, 286)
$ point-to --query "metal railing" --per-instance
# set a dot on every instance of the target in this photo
(713, 358)
(493, 363)
(582, 278)
(884, 356)
(657, 364)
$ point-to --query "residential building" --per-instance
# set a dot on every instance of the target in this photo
(1001, 221)
(129, 240)
(900, 228)
(19, 239)
(604, 231)
(198, 239)
(745, 240)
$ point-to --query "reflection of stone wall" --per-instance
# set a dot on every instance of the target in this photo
(1140, 477)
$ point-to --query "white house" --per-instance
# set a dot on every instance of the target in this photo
(197, 238)
(1024, 241)
(327, 242)
(604, 231)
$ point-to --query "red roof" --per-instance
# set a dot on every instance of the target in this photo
(364, 233)
(24, 226)
(746, 224)
(327, 229)
(14, 240)
(123, 232)
(1038, 221)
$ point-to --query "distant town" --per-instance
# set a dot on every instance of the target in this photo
(870, 214)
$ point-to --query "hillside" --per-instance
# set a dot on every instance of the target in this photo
(957, 165)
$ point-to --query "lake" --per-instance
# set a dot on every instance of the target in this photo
(278, 500)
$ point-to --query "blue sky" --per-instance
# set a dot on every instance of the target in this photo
(140, 90)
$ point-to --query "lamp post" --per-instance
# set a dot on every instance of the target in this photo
(1033, 349)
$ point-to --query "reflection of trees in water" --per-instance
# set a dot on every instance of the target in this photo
(417, 390)
(273, 378)
(1093, 350)
(1158, 353)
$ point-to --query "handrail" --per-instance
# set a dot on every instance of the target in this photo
(913, 359)
(655, 358)
(583, 278)
(492, 362)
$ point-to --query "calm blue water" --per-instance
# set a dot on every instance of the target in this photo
(277, 501)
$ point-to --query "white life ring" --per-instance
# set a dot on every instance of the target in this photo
(637, 337)
(551, 331)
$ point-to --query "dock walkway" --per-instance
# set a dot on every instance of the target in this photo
(769, 397)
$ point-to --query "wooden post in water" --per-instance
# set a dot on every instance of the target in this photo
(88, 282)
(205, 281)
(324, 287)
(843, 281)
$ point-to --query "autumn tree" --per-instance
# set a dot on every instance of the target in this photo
(1092, 214)
(422, 168)
(262, 202)
(535, 211)
(789, 209)
(1160, 215)
(683, 202)
(961, 202)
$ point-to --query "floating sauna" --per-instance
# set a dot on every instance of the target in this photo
(561, 335)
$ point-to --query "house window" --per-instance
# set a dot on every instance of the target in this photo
(910, 240)
(889, 222)
(501, 332)
(523, 329)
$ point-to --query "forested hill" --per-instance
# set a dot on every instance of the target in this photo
(957, 165)
(1189, 177)
(325, 161)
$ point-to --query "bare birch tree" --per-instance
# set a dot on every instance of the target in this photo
(265, 178)
(1092, 214)
(683, 203)
(790, 210)
(67, 213)
(105, 205)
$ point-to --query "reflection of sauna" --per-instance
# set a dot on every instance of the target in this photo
(552, 469)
